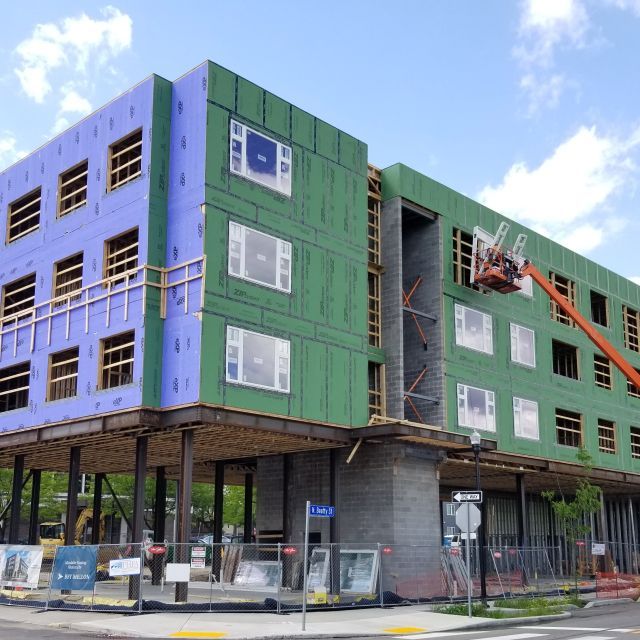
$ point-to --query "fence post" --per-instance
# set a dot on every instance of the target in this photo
(380, 582)
(279, 578)
(53, 562)
(141, 583)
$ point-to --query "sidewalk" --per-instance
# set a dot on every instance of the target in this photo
(234, 626)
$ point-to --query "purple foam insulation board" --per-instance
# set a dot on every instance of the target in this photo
(185, 237)
(86, 229)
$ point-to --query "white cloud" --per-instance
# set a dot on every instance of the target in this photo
(635, 279)
(566, 197)
(626, 5)
(75, 42)
(9, 152)
(543, 92)
(73, 102)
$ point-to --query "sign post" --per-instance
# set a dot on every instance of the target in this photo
(313, 511)
(468, 519)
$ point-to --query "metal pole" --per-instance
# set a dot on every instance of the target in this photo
(247, 536)
(481, 530)
(304, 566)
(35, 504)
(468, 560)
(72, 496)
(135, 582)
(97, 509)
(159, 521)
(184, 509)
(16, 498)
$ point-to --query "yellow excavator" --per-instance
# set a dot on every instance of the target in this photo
(52, 533)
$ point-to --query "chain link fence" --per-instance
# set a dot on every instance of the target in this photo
(269, 577)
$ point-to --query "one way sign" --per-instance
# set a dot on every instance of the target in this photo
(466, 496)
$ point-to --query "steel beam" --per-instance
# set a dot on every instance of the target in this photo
(16, 499)
(523, 524)
(138, 509)
(248, 508)
(184, 509)
(97, 509)
(159, 522)
(36, 475)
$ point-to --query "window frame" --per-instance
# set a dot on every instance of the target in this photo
(460, 324)
(567, 289)
(63, 182)
(514, 338)
(571, 419)
(565, 363)
(632, 390)
(111, 365)
(518, 432)
(634, 441)
(602, 371)
(595, 299)
(490, 407)
(239, 343)
(609, 426)
(631, 328)
(4, 377)
(23, 202)
(61, 298)
(53, 365)
(113, 278)
(111, 155)
(238, 134)
(284, 250)
(462, 260)
(25, 312)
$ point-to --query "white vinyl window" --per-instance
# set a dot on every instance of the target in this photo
(451, 509)
(523, 345)
(259, 158)
(476, 408)
(258, 257)
(525, 419)
(473, 329)
(526, 285)
(257, 360)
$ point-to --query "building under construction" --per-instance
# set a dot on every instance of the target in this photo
(202, 282)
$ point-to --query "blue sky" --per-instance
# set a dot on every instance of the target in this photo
(530, 106)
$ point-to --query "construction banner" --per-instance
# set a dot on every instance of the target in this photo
(74, 568)
(20, 566)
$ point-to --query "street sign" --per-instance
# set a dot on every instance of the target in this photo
(466, 496)
(321, 511)
(74, 568)
(468, 518)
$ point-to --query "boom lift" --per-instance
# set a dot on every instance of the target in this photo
(502, 270)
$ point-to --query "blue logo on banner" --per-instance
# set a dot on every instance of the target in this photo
(74, 568)
(321, 511)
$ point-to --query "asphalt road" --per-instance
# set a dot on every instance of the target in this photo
(33, 632)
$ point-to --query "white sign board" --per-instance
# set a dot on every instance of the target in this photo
(20, 566)
(198, 563)
(198, 552)
(597, 549)
(124, 567)
(178, 572)
(468, 517)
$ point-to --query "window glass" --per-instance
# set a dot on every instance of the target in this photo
(525, 418)
(476, 408)
(260, 158)
(523, 345)
(473, 329)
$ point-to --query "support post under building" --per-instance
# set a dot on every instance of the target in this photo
(97, 509)
(138, 509)
(159, 522)
(16, 499)
(218, 516)
(184, 508)
(72, 496)
(248, 508)
(523, 524)
(36, 476)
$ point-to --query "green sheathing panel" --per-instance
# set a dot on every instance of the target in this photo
(157, 238)
(325, 220)
(497, 372)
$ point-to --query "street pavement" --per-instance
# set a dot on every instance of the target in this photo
(401, 623)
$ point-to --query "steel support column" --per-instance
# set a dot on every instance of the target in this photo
(334, 523)
(36, 476)
(285, 497)
(16, 499)
(184, 509)
(159, 521)
(72, 496)
(218, 517)
(248, 508)
(523, 520)
(142, 443)
(96, 518)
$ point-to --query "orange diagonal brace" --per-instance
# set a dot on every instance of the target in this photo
(407, 302)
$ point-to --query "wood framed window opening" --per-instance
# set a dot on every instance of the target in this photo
(72, 188)
(23, 215)
(599, 309)
(67, 278)
(374, 208)
(376, 389)
(602, 371)
(565, 360)
(116, 360)
(373, 302)
(121, 255)
(567, 289)
(606, 436)
(63, 374)
(14, 387)
(632, 390)
(631, 323)
(462, 259)
(635, 442)
(125, 160)
(18, 296)
(568, 428)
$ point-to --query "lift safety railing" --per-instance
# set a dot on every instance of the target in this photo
(142, 278)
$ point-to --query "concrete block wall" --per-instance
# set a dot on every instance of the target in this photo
(269, 493)
(422, 256)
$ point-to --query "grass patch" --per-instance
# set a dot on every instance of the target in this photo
(528, 607)
(477, 610)
(539, 603)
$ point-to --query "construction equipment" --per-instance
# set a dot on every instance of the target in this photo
(502, 270)
(52, 533)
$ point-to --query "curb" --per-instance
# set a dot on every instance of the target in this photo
(604, 603)
(505, 622)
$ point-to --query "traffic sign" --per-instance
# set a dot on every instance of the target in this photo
(468, 518)
(321, 511)
(466, 496)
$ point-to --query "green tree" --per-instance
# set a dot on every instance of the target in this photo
(574, 514)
